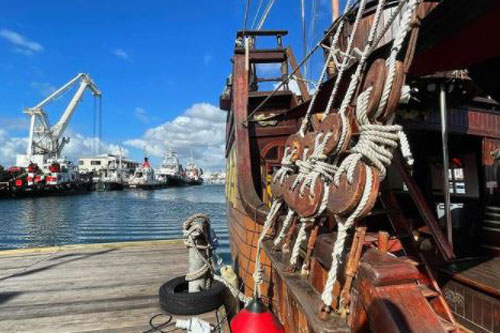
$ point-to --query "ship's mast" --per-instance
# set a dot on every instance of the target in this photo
(335, 10)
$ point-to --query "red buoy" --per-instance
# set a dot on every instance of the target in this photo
(256, 318)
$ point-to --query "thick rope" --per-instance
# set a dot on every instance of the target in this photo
(374, 146)
(271, 217)
(301, 237)
(331, 55)
(192, 230)
(348, 51)
(234, 291)
(396, 48)
(284, 228)
(342, 233)
(361, 65)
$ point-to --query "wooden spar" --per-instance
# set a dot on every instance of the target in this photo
(335, 10)
(446, 161)
(424, 210)
(298, 74)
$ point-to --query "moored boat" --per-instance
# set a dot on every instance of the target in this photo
(193, 174)
(171, 171)
(330, 224)
(144, 177)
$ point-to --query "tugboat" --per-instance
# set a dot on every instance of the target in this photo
(144, 177)
(35, 178)
(193, 173)
(171, 171)
(4, 181)
(335, 223)
(62, 174)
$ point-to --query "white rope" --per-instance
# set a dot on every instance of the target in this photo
(234, 291)
(335, 40)
(357, 75)
(257, 13)
(375, 146)
(265, 14)
(301, 237)
(396, 47)
(361, 65)
(338, 247)
(193, 230)
(271, 216)
(284, 228)
(286, 166)
(345, 62)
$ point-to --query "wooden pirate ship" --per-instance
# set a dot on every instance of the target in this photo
(372, 203)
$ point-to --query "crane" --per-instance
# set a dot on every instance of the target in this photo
(46, 141)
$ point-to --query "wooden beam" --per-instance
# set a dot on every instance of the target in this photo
(298, 74)
(262, 33)
(424, 210)
(335, 10)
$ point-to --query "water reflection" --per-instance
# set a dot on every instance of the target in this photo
(109, 216)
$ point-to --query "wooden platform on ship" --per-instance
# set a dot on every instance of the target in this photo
(98, 288)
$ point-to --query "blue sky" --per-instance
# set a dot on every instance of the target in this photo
(160, 64)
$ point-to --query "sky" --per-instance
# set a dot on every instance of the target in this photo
(160, 64)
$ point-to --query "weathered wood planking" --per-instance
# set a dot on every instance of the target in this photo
(88, 288)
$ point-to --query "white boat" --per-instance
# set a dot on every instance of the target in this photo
(61, 173)
(144, 177)
(193, 173)
(171, 171)
(111, 178)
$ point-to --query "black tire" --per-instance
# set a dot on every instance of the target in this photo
(175, 298)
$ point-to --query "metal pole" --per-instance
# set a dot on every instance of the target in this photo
(446, 167)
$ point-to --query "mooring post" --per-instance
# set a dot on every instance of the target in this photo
(197, 239)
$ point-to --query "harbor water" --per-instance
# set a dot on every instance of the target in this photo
(120, 216)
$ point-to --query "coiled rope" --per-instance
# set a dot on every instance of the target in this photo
(193, 230)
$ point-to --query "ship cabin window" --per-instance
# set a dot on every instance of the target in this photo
(81, 162)
(95, 162)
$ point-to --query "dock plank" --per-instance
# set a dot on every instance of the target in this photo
(100, 289)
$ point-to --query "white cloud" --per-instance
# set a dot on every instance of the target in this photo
(81, 145)
(43, 88)
(141, 114)
(10, 147)
(21, 43)
(292, 85)
(200, 130)
(78, 146)
(121, 53)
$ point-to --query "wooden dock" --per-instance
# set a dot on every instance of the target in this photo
(98, 288)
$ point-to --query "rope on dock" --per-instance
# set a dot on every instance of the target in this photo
(200, 263)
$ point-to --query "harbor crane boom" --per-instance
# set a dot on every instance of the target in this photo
(46, 141)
